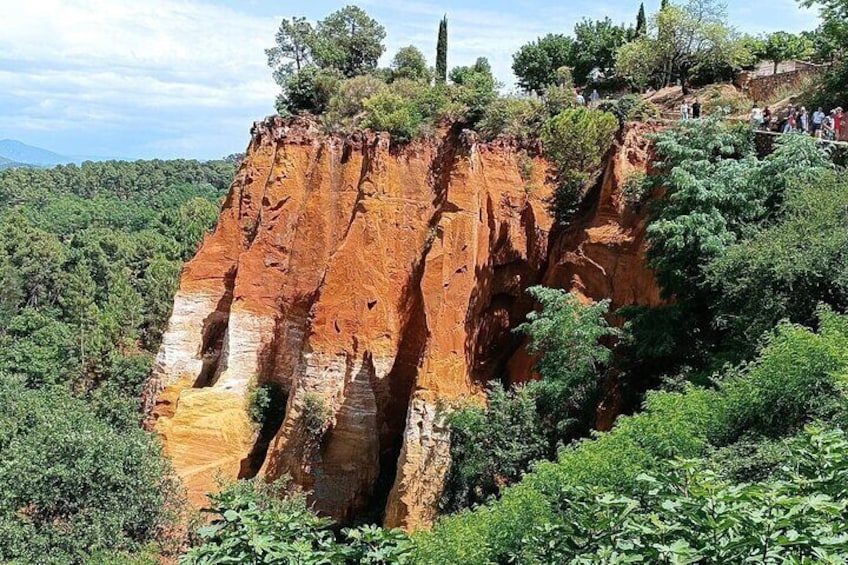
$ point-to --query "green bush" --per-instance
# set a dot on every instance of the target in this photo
(492, 446)
(797, 376)
(786, 269)
(631, 107)
(346, 109)
(266, 403)
(475, 88)
(309, 90)
(691, 515)
(257, 522)
(575, 142)
(636, 188)
(514, 117)
(316, 415)
(72, 484)
(387, 111)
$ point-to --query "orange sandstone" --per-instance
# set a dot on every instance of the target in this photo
(375, 284)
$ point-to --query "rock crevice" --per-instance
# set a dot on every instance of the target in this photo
(375, 284)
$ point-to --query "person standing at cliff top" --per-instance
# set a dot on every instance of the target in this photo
(684, 110)
(804, 120)
(818, 119)
(696, 109)
(789, 125)
(828, 133)
(757, 116)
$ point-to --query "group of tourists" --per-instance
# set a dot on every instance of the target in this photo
(832, 126)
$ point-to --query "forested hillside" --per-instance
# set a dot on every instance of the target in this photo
(89, 261)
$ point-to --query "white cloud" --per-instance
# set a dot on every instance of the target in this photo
(143, 78)
(92, 64)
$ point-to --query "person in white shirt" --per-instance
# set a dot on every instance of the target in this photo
(757, 117)
(579, 99)
(684, 111)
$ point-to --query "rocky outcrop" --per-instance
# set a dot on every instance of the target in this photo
(375, 284)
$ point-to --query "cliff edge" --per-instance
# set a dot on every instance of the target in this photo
(374, 284)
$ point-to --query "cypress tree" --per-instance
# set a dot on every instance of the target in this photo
(641, 22)
(442, 52)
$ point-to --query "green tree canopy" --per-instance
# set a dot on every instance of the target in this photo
(293, 49)
(536, 63)
(409, 63)
(348, 40)
(781, 46)
(595, 46)
(682, 41)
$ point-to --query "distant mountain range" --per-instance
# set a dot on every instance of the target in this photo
(8, 163)
(14, 153)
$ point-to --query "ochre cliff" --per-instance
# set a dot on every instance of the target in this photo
(375, 284)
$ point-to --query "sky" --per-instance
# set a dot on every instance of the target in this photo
(185, 78)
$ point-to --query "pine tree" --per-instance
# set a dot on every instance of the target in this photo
(663, 5)
(442, 52)
(641, 22)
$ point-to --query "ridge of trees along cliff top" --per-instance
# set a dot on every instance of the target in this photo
(330, 68)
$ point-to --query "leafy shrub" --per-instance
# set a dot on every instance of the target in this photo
(387, 111)
(690, 515)
(636, 188)
(492, 447)
(346, 109)
(575, 141)
(257, 522)
(557, 99)
(631, 107)
(566, 333)
(309, 90)
(266, 403)
(316, 415)
(724, 102)
(796, 377)
(72, 484)
(718, 195)
(514, 117)
(475, 88)
(785, 270)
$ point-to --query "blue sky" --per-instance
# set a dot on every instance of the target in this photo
(185, 78)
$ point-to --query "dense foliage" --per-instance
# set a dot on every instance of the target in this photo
(595, 498)
(493, 446)
(684, 43)
(77, 478)
(575, 141)
(254, 522)
(720, 197)
(89, 261)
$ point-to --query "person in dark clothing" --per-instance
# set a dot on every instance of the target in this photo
(696, 109)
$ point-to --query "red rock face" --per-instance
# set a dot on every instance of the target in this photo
(375, 284)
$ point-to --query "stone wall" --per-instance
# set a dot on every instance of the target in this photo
(764, 88)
